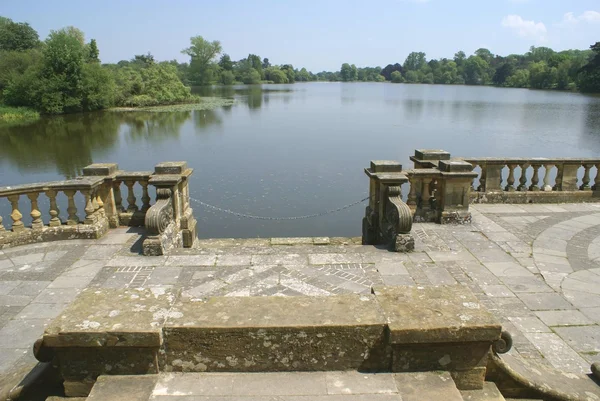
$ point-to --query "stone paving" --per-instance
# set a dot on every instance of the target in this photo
(536, 267)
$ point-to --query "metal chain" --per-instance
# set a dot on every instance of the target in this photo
(250, 216)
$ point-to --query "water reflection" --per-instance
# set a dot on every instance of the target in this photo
(63, 142)
(154, 127)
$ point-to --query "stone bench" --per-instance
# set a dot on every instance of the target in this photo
(395, 329)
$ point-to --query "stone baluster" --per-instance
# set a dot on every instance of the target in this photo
(131, 207)
(71, 208)
(482, 178)
(510, 181)
(145, 196)
(585, 182)
(2, 229)
(559, 175)
(425, 194)
(54, 212)
(89, 206)
(523, 179)
(36, 216)
(16, 216)
(100, 202)
(596, 186)
(412, 194)
(535, 179)
(548, 168)
(117, 195)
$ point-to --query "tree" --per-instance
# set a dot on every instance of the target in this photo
(256, 64)
(265, 63)
(93, 52)
(589, 80)
(503, 72)
(485, 54)
(348, 73)
(542, 76)
(202, 54)
(302, 75)
(18, 36)
(289, 72)
(64, 57)
(143, 60)
(412, 77)
(520, 79)
(397, 77)
(415, 61)
(389, 69)
(225, 62)
(97, 87)
(459, 58)
(227, 77)
(276, 75)
(476, 71)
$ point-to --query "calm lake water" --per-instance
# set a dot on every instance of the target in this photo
(288, 150)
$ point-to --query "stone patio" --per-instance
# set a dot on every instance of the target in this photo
(536, 267)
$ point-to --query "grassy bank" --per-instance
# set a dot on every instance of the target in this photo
(12, 115)
(204, 103)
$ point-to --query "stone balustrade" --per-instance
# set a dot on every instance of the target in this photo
(532, 180)
(388, 220)
(101, 208)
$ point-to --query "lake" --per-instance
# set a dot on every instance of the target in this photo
(290, 150)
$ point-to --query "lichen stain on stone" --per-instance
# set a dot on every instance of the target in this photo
(88, 325)
(113, 313)
(445, 360)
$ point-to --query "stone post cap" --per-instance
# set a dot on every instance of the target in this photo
(385, 166)
(431, 154)
(170, 168)
(165, 180)
(100, 169)
(455, 166)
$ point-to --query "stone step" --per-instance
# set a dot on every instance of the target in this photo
(284, 386)
(489, 392)
(396, 329)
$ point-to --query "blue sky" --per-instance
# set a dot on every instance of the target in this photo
(319, 35)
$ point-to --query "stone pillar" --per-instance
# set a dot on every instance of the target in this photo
(535, 179)
(183, 211)
(388, 219)
(428, 158)
(453, 200)
(106, 194)
(493, 176)
(54, 212)
(568, 179)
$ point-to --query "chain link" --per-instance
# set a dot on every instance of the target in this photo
(250, 216)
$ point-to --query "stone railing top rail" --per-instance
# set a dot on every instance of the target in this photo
(520, 160)
(76, 183)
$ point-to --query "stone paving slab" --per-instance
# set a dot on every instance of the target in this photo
(535, 267)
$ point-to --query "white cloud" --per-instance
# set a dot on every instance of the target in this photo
(525, 28)
(586, 16)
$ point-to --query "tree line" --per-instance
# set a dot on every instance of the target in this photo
(540, 68)
(63, 73)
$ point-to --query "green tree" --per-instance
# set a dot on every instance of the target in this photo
(397, 77)
(225, 62)
(93, 52)
(503, 72)
(476, 71)
(17, 36)
(542, 76)
(348, 73)
(589, 80)
(256, 64)
(97, 87)
(265, 63)
(412, 77)
(276, 75)
(202, 55)
(289, 72)
(415, 61)
(302, 75)
(520, 79)
(227, 77)
(485, 54)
